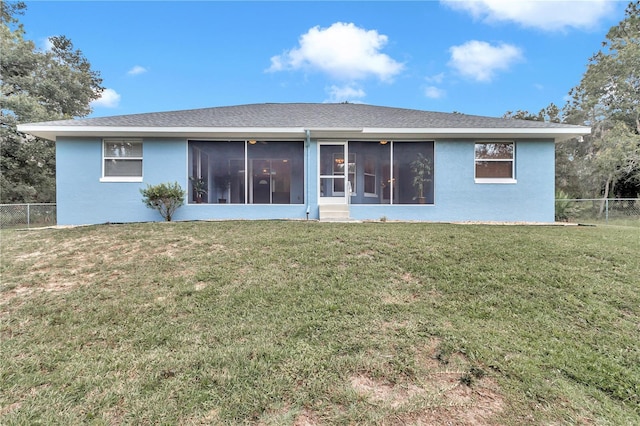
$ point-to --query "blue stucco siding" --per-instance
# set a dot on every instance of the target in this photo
(536, 170)
(83, 199)
(529, 199)
(459, 198)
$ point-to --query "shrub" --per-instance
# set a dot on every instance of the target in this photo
(165, 197)
(565, 208)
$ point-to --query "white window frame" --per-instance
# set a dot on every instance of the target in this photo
(510, 180)
(106, 158)
(350, 171)
(365, 175)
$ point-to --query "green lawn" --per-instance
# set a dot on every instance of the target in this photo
(306, 323)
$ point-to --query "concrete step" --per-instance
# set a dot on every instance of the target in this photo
(334, 211)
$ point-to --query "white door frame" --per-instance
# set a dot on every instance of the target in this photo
(340, 199)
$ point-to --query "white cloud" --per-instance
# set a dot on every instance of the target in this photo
(548, 15)
(109, 99)
(480, 60)
(136, 70)
(343, 51)
(434, 92)
(345, 93)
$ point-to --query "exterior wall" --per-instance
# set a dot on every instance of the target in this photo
(458, 198)
(83, 199)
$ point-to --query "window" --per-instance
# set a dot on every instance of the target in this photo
(369, 176)
(338, 170)
(274, 171)
(122, 160)
(413, 173)
(494, 162)
(390, 172)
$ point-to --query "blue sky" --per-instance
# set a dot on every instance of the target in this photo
(481, 57)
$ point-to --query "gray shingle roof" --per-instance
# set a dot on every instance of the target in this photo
(305, 115)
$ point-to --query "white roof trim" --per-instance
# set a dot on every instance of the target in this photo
(27, 128)
(51, 132)
(482, 130)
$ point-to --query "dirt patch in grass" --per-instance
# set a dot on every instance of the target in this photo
(200, 286)
(63, 265)
(399, 298)
(9, 408)
(306, 418)
(378, 391)
(403, 290)
(408, 277)
(442, 393)
(51, 285)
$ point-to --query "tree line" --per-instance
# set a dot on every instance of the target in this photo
(36, 85)
(59, 83)
(607, 162)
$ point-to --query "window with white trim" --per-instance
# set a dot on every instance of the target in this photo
(338, 169)
(370, 176)
(122, 160)
(495, 162)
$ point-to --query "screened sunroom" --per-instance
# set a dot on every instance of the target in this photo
(246, 172)
(377, 172)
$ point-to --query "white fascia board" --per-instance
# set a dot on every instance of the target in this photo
(475, 130)
(53, 132)
(474, 133)
(334, 132)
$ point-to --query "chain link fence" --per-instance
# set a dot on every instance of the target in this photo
(27, 215)
(623, 211)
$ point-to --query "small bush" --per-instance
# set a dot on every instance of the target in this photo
(165, 197)
(565, 208)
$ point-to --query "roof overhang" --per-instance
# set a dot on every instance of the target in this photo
(557, 133)
(53, 132)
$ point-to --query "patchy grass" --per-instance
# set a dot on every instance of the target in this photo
(300, 323)
(632, 222)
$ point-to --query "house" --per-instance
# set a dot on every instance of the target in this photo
(316, 161)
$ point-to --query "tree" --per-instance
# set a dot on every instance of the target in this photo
(164, 197)
(608, 99)
(36, 85)
(551, 113)
(618, 156)
(567, 178)
(610, 88)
